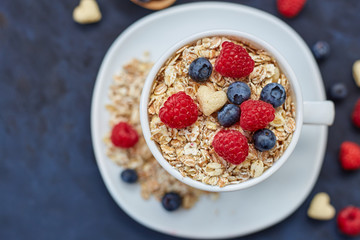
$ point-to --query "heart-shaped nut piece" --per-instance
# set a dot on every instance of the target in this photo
(320, 207)
(87, 12)
(209, 100)
(356, 72)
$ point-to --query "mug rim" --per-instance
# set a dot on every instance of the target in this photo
(258, 43)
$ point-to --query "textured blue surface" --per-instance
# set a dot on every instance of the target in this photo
(50, 187)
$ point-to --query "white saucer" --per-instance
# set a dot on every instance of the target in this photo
(236, 213)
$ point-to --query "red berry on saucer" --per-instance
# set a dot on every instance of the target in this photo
(348, 221)
(123, 135)
(179, 111)
(231, 145)
(234, 61)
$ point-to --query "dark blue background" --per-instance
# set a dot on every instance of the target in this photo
(50, 186)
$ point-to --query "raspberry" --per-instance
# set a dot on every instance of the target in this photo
(231, 145)
(256, 114)
(234, 61)
(179, 111)
(123, 135)
(356, 114)
(348, 221)
(350, 155)
(290, 8)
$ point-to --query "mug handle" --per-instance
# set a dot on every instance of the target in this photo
(319, 112)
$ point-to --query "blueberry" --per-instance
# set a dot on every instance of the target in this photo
(171, 201)
(338, 91)
(264, 139)
(129, 175)
(229, 115)
(321, 50)
(200, 69)
(238, 92)
(274, 94)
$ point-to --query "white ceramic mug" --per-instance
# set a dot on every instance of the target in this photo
(315, 112)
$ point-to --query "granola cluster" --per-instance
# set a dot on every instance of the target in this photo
(189, 149)
(125, 94)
